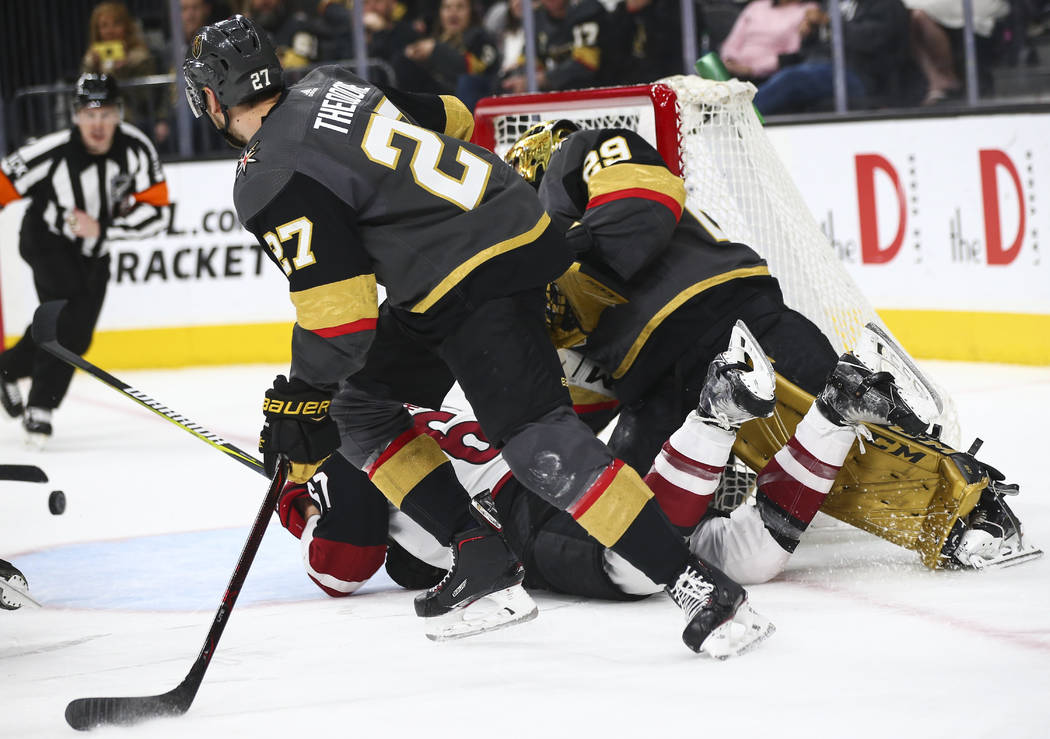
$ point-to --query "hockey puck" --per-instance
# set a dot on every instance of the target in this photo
(56, 502)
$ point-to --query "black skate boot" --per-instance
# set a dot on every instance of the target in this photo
(734, 391)
(854, 394)
(721, 623)
(9, 599)
(11, 397)
(482, 590)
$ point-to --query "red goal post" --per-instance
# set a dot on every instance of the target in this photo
(708, 133)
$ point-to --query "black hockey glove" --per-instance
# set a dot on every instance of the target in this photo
(297, 426)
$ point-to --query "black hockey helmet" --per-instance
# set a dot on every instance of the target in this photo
(531, 153)
(94, 91)
(236, 60)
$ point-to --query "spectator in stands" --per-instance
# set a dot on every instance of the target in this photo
(460, 58)
(643, 42)
(568, 46)
(116, 48)
(503, 20)
(389, 29)
(932, 23)
(766, 32)
(115, 43)
(295, 34)
(878, 62)
(194, 15)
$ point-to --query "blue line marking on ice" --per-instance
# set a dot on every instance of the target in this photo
(170, 572)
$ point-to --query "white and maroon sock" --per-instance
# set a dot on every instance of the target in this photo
(686, 472)
(793, 485)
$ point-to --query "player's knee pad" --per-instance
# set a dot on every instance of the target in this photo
(556, 456)
(908, 490)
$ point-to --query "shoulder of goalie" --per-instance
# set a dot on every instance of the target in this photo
(344, 541)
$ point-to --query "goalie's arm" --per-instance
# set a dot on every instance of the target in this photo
(312, 236)
(633, 202)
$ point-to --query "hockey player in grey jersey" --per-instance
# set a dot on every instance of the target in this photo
(350, 186)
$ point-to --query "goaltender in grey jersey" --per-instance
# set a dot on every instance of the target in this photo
(319, 183)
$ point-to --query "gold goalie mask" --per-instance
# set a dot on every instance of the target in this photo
(531, 153)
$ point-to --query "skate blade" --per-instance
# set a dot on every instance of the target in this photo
(761, 380)
(37, 441)
(494, 611)
(1021, 556)
(881, 353)
(14, 595)
(745, 631)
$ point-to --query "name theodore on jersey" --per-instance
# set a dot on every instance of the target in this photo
(339, 105)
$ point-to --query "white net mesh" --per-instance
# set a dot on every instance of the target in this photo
(733, 173)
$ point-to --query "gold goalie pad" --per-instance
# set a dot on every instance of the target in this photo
(904, 489)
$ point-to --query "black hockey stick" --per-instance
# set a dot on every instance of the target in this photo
(45, 334)
(22, 473)
(86, 713)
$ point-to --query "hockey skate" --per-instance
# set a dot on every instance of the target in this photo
(721, 623)
(992, 536)
(856, 394)
(11, 398)
(482, 590)
(37, 425)
(740, 383)
(14, 588)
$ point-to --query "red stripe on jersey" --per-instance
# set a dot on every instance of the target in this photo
(582, 408)
(350, 564)
(811, 463)
(690, 466)
(591, 495)
(499, 485)
(393, 448)
(682, 507)
(638, 192)
(365, 324)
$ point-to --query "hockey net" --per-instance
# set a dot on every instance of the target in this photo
(708, 133)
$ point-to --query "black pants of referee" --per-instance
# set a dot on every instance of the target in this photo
(60, 272)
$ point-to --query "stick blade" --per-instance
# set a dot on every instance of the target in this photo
(45, 322)
(22, 473)
(84, 714)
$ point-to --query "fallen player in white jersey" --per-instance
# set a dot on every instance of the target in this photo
(346, 527)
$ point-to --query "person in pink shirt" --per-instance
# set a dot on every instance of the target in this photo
(765, 30)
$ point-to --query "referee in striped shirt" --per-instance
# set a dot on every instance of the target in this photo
(96, 182)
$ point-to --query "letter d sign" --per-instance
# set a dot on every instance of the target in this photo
(870, 251)
(991, 160)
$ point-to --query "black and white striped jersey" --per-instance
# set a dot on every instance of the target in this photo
(124, 189)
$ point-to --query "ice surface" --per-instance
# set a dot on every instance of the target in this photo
(869, 643)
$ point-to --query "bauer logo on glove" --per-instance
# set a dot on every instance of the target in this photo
(297, 426)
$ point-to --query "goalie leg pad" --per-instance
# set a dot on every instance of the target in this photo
(907, 490)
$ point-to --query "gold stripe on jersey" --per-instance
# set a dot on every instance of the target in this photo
(612, 503)
(337, 304)
(675, 303)
(588, 56)
(628, 176)
(456, 276)
(459, 123)
(397, 474)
